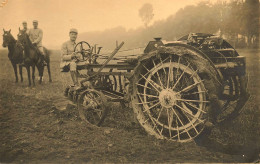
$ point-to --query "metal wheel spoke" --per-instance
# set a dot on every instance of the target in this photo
(161, 130)
(181, 123)
(151, 118)
(169, 113)
(180, 76)
(193, 93)
(179, 60)
(149, 71)
(147, 102)
(195, 107)
(146, 120)
(159, 114)
(146, 87)
(189, 112)
(193, 125)
(170, 74)
(194, 73)
(147, 95)
(154, 105)
(162, 64)
(145, 106)
(153, 84)
(177, 127)
(158, 75)
(199, 101)
(190, 87)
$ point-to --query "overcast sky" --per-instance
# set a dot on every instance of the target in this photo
(56, 17)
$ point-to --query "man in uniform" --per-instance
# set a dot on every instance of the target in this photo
(68, 61)
(25, 27)
(24, 23)
(35, 35)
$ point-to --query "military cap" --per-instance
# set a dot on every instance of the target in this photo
(74, 30)
(24, 22)
(35, 21)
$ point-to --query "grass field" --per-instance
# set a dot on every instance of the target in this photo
(32, 130)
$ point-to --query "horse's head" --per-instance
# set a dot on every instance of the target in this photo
(7, 38)
(23, 37)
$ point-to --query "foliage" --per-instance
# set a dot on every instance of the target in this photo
(236, 20)
(146, 13)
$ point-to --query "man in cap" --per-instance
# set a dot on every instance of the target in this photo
(35, 35)
(68, 62)
(25, 27)
(24, 23)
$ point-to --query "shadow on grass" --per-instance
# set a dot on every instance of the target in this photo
(249, 152)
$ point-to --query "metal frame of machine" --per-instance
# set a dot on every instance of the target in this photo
(174, 88)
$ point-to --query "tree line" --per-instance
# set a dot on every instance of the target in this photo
(236, 20)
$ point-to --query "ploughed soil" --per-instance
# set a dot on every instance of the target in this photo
(33, 130)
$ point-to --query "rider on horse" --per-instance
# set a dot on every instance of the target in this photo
(35, 35)
(68, 61)
(25, 27)
(27, 32)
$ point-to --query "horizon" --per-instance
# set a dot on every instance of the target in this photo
(95, 15)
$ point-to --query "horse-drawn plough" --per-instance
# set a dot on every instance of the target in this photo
(174, 88)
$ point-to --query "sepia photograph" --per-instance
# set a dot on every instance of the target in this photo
(129, 81)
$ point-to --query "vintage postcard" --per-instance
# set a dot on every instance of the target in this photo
(129, 81)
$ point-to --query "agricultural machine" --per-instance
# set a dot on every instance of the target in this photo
(174, 88)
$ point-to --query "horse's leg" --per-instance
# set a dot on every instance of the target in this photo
(21, 72)
(29, 74)
(49, 71)
(33, 74)
(15, 71)
(40, 70)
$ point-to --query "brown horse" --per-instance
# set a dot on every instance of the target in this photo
(15, 53)
(32, 57)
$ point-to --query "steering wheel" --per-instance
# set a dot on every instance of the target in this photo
(83, 48)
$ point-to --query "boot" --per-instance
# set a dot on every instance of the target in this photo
(75, 80)
(43, 61)
(42, 55)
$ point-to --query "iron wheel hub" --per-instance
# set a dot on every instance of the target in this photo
(168, 98)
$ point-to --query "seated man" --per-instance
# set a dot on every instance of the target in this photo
(35, 35)
(68, 56)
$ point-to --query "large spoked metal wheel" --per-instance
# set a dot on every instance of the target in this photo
(169, 98)
(92, 107)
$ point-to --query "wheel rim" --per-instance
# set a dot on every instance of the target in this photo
(91, 107)
(229, 104)
(110, 83)
(170, 100)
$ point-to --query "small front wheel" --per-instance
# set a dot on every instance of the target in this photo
(92, 107)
